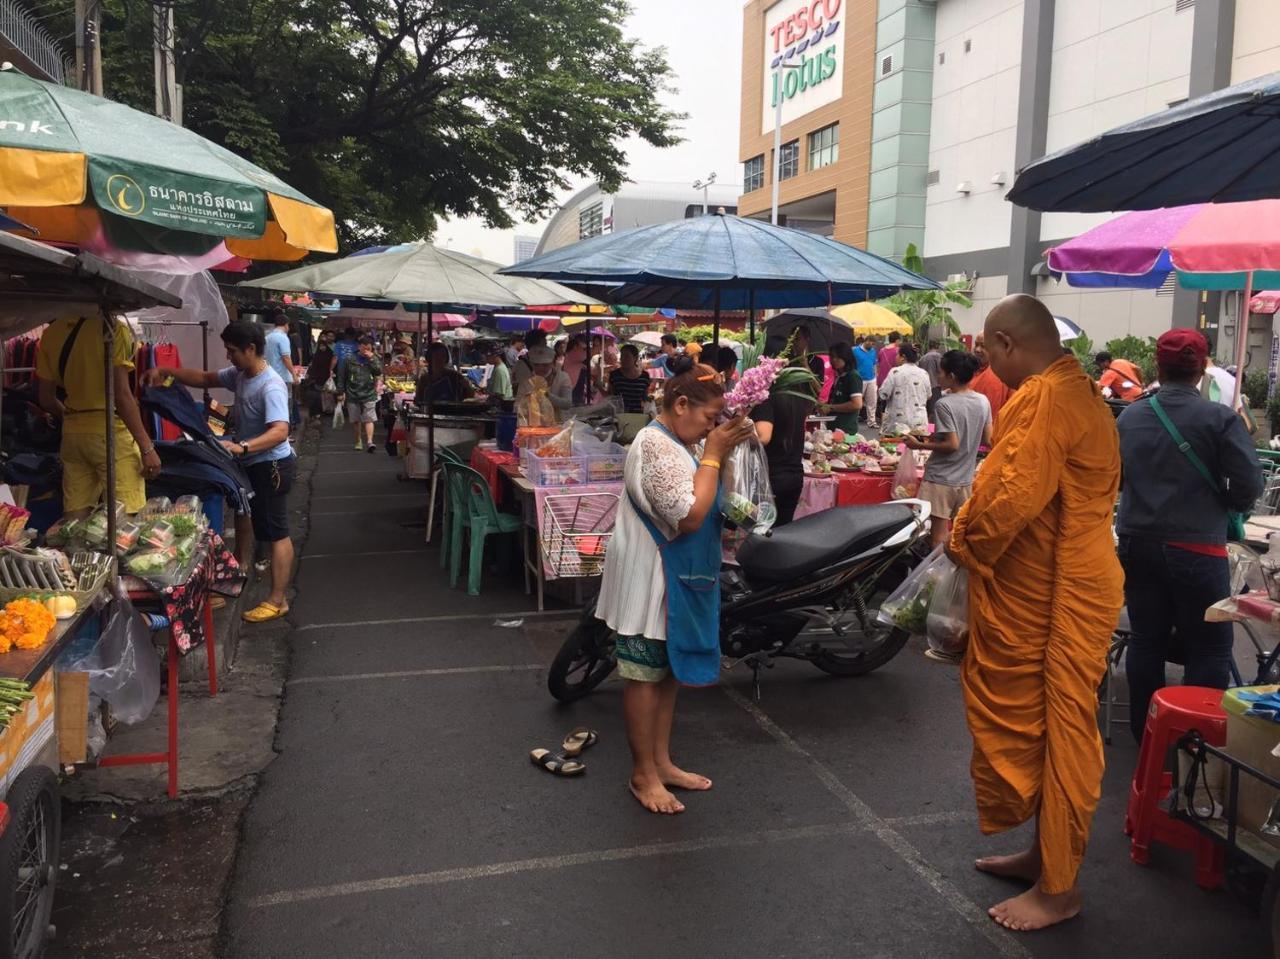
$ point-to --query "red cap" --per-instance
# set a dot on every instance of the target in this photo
(1181, 350)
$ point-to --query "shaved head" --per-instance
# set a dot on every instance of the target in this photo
(1021, 338)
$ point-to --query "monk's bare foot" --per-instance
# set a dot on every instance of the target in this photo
(1023, 865)
(1035, 909)
(676, 778)
(655, 797)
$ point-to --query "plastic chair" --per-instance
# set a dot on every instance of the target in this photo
(483, 520)
(456, 521)
(1175, 711)
(444, 455)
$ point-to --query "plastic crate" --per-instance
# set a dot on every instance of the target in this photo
(556, 470)
(607, 465)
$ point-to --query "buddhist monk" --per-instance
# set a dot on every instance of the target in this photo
(985, 381)
(1045, 590)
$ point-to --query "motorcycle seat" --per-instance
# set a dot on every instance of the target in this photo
(818, 540)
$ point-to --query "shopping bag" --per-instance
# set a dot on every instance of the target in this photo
(947, 624)
(339, 417)
(746, 496)
(905, 481)
(907, 607)
(123, 666)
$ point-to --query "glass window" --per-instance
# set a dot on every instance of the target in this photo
(789, 162)
(824, 146)
(753, 174)
(591, 221)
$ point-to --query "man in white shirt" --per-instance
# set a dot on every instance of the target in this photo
(1218, 385)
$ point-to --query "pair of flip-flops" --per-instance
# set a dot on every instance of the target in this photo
(566, 763)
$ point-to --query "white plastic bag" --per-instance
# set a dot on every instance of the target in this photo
(339, 416)
(905, 481)
(746, 496)
(908, 606)
(947, 624)
(123, 666)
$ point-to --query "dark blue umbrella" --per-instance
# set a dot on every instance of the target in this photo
(1219, 148)
(721, 262)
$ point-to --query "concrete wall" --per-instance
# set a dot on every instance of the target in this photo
(1256, 47)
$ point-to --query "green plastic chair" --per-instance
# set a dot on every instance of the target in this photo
(443, 455)
(483, 520)
(455, 520)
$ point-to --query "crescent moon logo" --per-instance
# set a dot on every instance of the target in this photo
(125, 195)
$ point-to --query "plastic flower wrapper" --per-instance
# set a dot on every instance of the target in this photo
(746, 496)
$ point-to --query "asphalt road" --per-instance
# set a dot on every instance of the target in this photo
(403, 817)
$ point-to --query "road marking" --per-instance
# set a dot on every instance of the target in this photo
(406, 673)
(863, 815)
(956, 817)
(377, 552)
(551, 614)
(622, 854)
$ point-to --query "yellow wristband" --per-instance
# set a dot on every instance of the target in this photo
(714, 464)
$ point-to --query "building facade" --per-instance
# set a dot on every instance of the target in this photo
(592, 212)
(955, 96)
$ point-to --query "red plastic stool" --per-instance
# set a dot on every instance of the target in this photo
(1174, 711)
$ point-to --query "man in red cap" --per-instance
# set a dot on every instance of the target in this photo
(1188, 462)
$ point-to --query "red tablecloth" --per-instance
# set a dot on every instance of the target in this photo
(485, 461)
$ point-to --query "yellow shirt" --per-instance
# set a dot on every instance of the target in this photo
(84, 385)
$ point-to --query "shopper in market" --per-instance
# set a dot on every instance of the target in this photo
(261, 443)
(545, 375)
(316, 379)
(1044, 597)
(931, 363)
(779, 423)
(629, 382)
(905, 393)
(358, 387)
(670, 344)
(865, 356)
(71, 359)
(577, 367)
(1119, 378)
(667, 532)
(986, 382)
(845, 400)
(522, 369)
(1173, 522)
(963, 423)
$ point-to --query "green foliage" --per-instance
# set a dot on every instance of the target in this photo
(702, 334)
(1140, 351)
(1082, 349)
(1273, 415)
(929, 311)
(395, 113)
(1256, 386)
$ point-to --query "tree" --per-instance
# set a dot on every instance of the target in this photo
(928, 310)
(395, 113)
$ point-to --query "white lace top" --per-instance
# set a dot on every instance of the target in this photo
(659, 477)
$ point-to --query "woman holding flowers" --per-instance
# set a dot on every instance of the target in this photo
(661, 589)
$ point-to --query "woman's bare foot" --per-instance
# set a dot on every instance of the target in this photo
(1035, 909)
(1023, 865)
(675, 777)
(655, 797)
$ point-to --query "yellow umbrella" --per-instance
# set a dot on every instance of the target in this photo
(871, 319)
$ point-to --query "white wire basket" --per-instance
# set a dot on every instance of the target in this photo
(574, 532)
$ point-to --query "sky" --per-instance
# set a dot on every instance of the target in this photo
(704, 48)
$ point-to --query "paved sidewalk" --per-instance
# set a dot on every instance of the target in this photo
(403, 817)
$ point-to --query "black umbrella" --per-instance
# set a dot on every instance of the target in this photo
(825, 329)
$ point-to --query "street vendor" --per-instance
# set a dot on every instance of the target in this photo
(1044, 597)
(667, 532)
(846, 391)
(261, 443)
(499, 383)
(71, 359)
(401, 363)
(442, 383)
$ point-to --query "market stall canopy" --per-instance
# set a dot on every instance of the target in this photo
(1210, 246)
(1265, 301)
(1222, 147)
(397, 318)
(39, 283)
(417, 274)
(871, 319)
(825, 329)
(76, 166)
(721, 262)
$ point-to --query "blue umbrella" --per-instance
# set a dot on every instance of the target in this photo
(1219, 148)
(720, 262)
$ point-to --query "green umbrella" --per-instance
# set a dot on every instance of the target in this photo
(73, 164)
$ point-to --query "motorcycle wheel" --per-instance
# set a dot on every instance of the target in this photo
(584, 661)
(859, 664)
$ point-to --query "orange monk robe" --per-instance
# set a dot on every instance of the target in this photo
(992, 387)
(1045, 591)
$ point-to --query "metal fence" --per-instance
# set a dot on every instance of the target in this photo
(26, 34)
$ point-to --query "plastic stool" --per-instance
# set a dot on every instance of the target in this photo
(1174, 711)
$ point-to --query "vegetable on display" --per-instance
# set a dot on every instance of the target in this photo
(14, 694)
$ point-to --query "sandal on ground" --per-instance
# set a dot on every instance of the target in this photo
(556, 765)
(951, 659)
(265, 612)
(578, 740)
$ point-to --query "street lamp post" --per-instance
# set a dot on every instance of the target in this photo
(777, 131)
(704, 186)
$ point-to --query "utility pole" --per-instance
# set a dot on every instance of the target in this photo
(88, 46)
(168, 93)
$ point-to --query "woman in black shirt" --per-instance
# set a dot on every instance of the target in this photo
(629, 381)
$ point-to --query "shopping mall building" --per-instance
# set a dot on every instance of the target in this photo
(904, 121)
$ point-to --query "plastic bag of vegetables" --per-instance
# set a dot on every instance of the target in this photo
(746, 496)
(947, 625)
(908, 606)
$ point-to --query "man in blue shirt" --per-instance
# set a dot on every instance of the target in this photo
(669, 346)
(261, 443)
(864, 355)
(279, 356)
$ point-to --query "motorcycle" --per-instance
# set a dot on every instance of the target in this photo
(809, 590)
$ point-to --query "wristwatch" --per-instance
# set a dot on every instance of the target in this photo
(244, 448)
